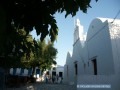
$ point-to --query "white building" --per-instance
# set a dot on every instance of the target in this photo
(54, 71)
(25, 72)
(95, 59)
(57, 70)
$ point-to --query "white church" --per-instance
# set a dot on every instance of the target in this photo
(95, 59)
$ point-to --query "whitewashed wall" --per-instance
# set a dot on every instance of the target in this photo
(99, 46)
(69, 73)
(102, 44)
(115, 39)
(57, 70)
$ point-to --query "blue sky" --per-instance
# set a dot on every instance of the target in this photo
(64, 43)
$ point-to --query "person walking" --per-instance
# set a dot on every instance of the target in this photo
(53, 79)
(50, 79)
(46, 78)
(61, 79)
(57, 78)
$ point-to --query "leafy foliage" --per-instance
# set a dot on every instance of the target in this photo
(15, 46)
(40, 14)
(43, 57)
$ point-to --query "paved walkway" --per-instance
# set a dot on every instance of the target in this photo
(43, 86)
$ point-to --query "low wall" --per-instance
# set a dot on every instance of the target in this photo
(93, 82)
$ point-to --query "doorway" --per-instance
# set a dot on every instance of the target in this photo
(60, 74)
(53, 73)
(94, 61)
(76, 69)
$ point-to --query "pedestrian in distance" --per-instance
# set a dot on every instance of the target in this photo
(53, 79)
(57, 78)
(46, 78)
(61, 79)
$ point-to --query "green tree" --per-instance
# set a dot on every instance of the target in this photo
(40, 14)
(18, 45)
(49, 56)
(46, 55)
(43, 57)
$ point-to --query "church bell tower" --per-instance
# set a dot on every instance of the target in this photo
(78, 32)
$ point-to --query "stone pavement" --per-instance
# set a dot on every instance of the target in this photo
(44, 86)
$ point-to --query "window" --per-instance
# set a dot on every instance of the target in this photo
(94, 61)
(53, 73)
(76, 67)
(60, 74)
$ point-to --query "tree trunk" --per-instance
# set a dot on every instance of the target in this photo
(33, 72)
